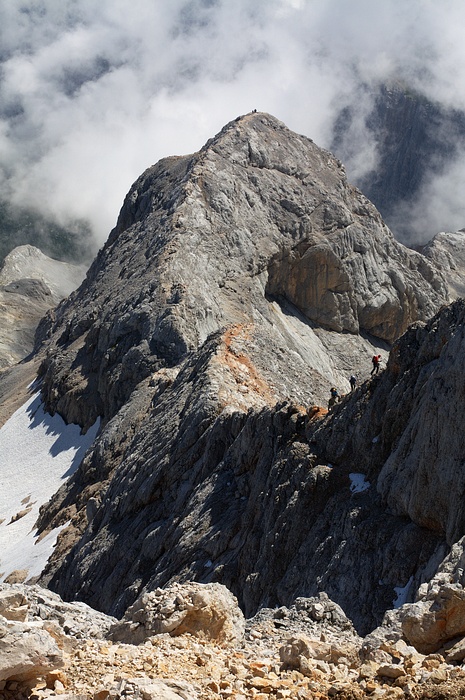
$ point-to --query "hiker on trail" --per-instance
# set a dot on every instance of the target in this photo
(375, 361)
(334, 398)
(352, 382)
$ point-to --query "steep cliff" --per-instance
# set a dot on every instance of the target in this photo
(239, 282)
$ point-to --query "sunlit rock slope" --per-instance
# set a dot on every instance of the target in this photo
(239, 284)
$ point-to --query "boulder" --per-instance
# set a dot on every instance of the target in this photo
(428, 624)
(26, 651)
(298, 650)
(454, 651)
(13, 604)
(150, 689)
(208, 611)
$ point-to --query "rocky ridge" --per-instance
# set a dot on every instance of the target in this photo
(280, 243)
(210, 468)
(205, 468)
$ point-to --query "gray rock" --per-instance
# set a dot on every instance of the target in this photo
(242, 278)
(447, 252)
(28, 262)
(13, 604)
(428, 624)
(259, 230)
(152, 689)
(37, 605)
(26, 651)
(298, 650)
(391, 671)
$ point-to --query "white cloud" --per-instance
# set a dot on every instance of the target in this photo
(93, 93)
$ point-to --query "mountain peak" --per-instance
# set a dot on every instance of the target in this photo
(240, 284)
(259, 227)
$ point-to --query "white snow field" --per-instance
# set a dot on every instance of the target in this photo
(38, 452)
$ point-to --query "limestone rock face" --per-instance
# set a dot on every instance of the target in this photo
(259, 230)
(229, 297)
(422, 482)
(447, 251)
(30, 284)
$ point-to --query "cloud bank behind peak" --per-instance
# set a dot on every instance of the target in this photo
(93, 93)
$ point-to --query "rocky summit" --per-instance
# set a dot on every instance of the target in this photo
(258, 237)
(241, 284)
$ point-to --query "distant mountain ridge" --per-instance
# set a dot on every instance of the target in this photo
(23, 226)
(30, 284)
(416, 139)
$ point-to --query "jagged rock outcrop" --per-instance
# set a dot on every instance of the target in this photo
(30, 284)
(414, 419)
(238, 283)
(32, 603)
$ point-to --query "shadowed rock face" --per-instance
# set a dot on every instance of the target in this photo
(416, 139)
(238, 283)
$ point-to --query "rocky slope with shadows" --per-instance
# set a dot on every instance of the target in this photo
(238, 286)
(239, 283)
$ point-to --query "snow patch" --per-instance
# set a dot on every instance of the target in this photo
(38, 452)
(358, 483)
(402, 593)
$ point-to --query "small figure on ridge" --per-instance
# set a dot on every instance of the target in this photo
(375, 361)
(334, 398)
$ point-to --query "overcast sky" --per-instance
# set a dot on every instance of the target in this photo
(92, 93)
